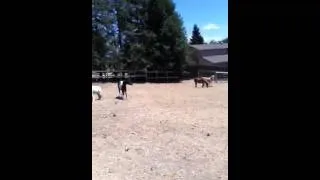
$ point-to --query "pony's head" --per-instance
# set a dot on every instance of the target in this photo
(212, 77)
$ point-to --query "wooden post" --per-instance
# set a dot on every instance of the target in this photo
(167, 75)
(216, 77)
(146, 71)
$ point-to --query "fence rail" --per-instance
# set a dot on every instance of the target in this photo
(152, 76)
(219, 75)
(163, 76)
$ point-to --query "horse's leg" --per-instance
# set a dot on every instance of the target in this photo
(99, 95)
(215, 79)
(119, 91)
(126, 94)
(195, 83)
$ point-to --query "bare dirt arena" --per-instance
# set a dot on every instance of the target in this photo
(162, 131)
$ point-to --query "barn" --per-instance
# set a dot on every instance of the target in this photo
(207, 57)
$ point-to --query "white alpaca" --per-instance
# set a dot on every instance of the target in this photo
(96, 90)
(209, 79)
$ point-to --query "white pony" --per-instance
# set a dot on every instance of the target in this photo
(96, 90)
(210, 79)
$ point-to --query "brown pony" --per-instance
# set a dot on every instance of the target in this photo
(202, 80)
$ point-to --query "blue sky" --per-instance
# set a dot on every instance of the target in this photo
(210, 15)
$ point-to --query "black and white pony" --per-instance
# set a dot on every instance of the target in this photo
(122, 87)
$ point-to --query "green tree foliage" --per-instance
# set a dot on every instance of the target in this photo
(99, 49)
(143, 33)
(103, 33)
(196, 36)
(168, 47)
(213, 42)
(225, 40)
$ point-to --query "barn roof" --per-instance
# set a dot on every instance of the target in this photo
(209, 46)
(216, 58)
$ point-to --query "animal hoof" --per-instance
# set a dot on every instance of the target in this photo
(126, 149)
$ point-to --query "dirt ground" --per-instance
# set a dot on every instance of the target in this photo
(162, 131)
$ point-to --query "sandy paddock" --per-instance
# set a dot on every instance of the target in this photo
(163, 131)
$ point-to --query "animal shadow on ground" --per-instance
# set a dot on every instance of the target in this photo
(119, 97)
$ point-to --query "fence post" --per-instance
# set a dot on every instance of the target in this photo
(167, 75)
(134, 75)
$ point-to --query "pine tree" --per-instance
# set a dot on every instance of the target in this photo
(132, 32)
(213, 42)
(103, 33)
(167, 48)
(144, 33)
(196, 36)
(225, 40)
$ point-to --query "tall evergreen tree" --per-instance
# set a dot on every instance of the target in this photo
(144, 33)
(196, 36)
(167, 48)
(213, 42)
(103, 33)
(134, 35)
(225, 40)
